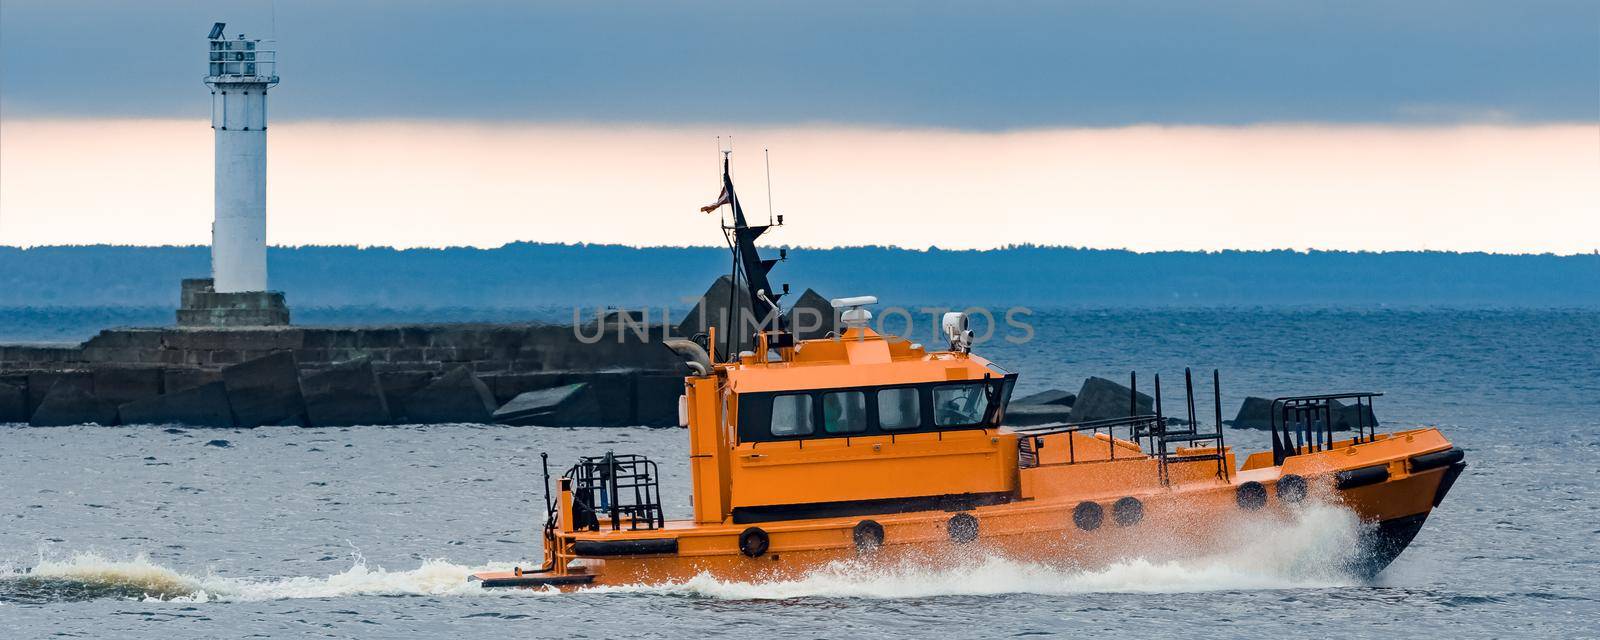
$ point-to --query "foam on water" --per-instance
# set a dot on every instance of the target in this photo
(1313, 550)
(1309, 551)
(91, 575)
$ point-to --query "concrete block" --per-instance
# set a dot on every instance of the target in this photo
(712, 310)
(330, 338)
(405, 354)
(40, 383)
(571, 405)
(506, 386)
(1052, 396)
(205, 405)
(1100, 398)
(812, 316)
(399, 385)
(264, 391)
(69, 404)
(13, 403)
(378, 338)
(1021, 415)
(121, 385)
(415, 336)
(456, 337)
(345, 394)
(125, 339)
(190, 288)
(180, 379)
(1346, 417)
(613, 393)
(1254, 413)
(187, 339)
(456, 396)
(657, 399)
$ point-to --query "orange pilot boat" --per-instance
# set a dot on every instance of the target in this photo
(861, 446)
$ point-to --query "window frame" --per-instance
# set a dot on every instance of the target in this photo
(866, 411)
(810, 403)
(755, 410)
(877, 412)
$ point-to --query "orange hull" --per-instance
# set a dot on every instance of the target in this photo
(1392, 482)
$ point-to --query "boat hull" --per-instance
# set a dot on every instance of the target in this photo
(1194, 518)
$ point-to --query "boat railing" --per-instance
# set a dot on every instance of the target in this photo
(1137, 428)
(1154, 434)
(1306, 424)
(622, 490)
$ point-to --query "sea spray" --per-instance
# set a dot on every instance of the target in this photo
(90, 575)
(1308, 550)
(1311, 550)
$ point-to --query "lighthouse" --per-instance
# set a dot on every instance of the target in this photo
(239, 71)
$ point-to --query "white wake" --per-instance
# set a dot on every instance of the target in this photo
(1310, 551)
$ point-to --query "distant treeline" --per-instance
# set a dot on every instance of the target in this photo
(527, 275)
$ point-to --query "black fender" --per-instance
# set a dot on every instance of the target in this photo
(1127, 511)
(1437, 459)
(1352, 478)
(753, 542)
(1291, 488)
(606, 548)
(1250, 496)
(963, 527)
(868, 536)
(1088, 515)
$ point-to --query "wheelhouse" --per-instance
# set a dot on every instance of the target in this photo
(858, 423)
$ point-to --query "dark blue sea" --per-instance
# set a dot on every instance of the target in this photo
(156, 531)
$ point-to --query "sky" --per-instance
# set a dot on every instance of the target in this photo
(1471, 126)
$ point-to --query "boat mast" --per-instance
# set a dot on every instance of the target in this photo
(751, 270)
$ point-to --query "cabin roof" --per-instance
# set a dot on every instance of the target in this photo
(858, 358)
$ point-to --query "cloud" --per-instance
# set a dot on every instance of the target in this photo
(985, 66)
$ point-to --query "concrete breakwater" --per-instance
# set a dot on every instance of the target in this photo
(333, 376)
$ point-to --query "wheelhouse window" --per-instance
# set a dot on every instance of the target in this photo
(899, 409)
(844, 412)
(959, 404)
(794, 414)
(791, 415)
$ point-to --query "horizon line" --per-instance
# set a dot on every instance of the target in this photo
(930, 249)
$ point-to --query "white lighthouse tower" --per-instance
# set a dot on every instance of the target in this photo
(239, 73)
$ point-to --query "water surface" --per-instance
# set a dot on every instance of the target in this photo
(155, 531)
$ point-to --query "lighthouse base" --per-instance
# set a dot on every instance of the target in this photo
(202, 306)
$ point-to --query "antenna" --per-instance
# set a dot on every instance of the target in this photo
(767, 153)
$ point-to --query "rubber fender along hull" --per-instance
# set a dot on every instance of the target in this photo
(1362, 477)
(610, 548)
(1437, 459)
